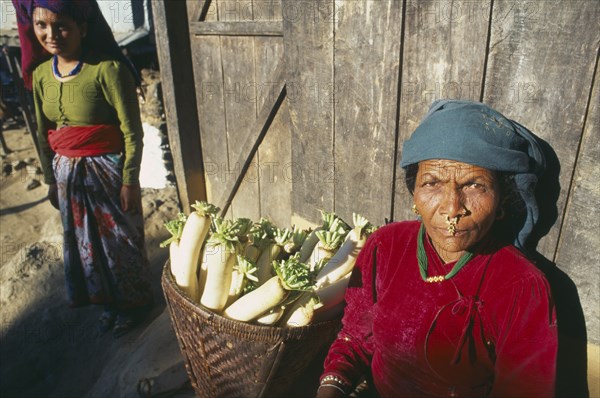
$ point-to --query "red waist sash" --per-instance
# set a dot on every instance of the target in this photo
(77, 141)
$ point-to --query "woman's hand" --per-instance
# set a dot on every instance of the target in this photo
(131, 198)
(53, 195)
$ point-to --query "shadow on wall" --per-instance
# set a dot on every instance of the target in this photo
(572, 344)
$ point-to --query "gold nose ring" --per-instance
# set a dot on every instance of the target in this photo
(452, 224)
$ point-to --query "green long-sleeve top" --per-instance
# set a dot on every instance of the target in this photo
(102, 93)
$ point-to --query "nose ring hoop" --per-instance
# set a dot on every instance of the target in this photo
(454, 220)
(452, 224)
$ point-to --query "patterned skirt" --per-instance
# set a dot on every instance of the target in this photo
(104, 251)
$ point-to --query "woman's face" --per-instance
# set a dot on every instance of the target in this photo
(58, 34)
(446, 190)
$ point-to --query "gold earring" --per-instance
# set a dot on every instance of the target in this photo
(415, 210)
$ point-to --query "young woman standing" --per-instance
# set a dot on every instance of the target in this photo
(90, 136)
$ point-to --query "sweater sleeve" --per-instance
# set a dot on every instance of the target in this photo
(349, 356)
(120, 92)
(527, 342)
(43, 125)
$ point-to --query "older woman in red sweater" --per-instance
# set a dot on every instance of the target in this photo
(450, 304)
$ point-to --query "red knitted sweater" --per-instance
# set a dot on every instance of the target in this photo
(488, 332)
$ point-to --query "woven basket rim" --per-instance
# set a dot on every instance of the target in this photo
(239, 328)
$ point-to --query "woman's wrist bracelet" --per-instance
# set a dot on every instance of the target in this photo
(335, 382)
(334, 386)
(334, 379)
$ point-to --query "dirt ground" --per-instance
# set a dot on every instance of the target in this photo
(48, 349)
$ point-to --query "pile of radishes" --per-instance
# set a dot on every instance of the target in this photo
(257, 272)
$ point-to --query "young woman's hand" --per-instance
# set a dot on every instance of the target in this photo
(131, 198)
(53, 195)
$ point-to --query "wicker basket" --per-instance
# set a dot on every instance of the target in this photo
(226, 358)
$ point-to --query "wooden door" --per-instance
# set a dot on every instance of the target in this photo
(237, 51)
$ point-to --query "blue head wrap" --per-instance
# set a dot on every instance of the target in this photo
(473, 133)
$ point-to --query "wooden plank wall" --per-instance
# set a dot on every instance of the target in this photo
(308, 47)
(234, 78)
(366, 89)
(275, 181)
(361, 74)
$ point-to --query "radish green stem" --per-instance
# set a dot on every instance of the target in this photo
(175, 228)
(294, 243)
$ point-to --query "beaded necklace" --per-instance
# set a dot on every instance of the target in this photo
(423, 262)
(73, 72)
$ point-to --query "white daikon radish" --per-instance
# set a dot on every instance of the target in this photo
(271, 317)
(291, 275)
(329, 242)
(244, 272)
(309, 245)
(328, 298)
(219, 259)
(303, 314)
(195, 230)
(345, 258)
(270, 253)
(311, 241)
(252, 305)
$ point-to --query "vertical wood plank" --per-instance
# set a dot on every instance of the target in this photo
(173, 49)
(577, 252)
(209, 92)
(542, 55)
(208, 73)
(254, 136)
(367, 56)
(275, 150)
(240, 112)
(276, 184)
(240, 109)
(443, 57)
(308, 46)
